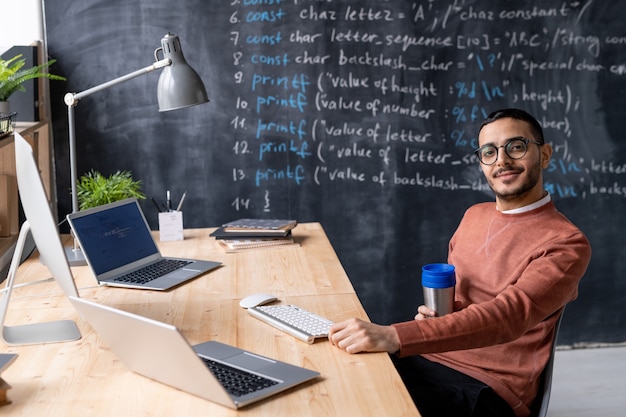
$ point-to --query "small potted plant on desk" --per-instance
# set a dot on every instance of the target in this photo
(93, 189)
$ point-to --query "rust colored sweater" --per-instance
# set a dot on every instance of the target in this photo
(514, 272)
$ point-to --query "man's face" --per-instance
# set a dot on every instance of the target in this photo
(516, 182)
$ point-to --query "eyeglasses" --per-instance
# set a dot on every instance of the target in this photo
(515, 148)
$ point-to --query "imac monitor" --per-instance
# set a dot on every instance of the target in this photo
(40, 223)
(39, 216)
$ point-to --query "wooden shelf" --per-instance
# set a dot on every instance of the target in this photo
(38, 135)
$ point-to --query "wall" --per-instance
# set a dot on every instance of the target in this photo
(20, 35)
(25, 25)
(362, 116)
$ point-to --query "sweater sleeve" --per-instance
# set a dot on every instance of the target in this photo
(535, 284)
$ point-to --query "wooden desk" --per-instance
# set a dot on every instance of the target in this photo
(84, 378)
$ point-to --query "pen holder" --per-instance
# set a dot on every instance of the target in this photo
(171, 226)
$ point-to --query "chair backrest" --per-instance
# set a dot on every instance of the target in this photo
(541, 402)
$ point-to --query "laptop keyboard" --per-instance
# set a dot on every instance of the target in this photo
(152, 271)
(236, 381)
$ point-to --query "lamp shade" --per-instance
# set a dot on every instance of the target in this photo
(179, 84)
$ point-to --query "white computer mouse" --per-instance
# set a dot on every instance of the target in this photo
(254, 300)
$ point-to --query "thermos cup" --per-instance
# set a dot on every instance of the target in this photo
(438, 282)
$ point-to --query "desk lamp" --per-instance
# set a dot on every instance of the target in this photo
(179, 86)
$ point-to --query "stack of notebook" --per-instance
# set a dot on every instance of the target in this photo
(243, 234)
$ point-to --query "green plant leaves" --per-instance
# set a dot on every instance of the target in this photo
(12, 76)
(93, 189)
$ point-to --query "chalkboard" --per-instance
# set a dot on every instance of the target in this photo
(362, 116)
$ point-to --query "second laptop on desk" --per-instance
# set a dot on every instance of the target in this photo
(116, 241)
(229, 376)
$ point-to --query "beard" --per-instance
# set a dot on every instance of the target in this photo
(531, 180)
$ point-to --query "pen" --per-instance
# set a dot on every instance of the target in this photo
(155, 204)
(180, 204)
(169, 201)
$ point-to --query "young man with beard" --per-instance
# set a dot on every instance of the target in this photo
(518, 263)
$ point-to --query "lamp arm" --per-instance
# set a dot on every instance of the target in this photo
(71, 100)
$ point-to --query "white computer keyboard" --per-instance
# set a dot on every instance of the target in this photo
(297, 322)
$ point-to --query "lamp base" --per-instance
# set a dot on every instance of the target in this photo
(75, 256)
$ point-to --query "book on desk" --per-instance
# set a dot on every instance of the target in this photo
(5, 360)
(266, 226)
(245, 234)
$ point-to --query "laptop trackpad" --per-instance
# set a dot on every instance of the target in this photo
(249, 361)
(180, 274)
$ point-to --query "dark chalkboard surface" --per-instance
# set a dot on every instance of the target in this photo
(362, 116)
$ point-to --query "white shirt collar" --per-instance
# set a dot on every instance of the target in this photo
(545, 200)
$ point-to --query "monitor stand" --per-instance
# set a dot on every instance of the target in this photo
(35, 333)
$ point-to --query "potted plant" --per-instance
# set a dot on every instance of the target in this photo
(13, 75)
(94, 189)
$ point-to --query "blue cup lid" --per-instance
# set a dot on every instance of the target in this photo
(438, 276)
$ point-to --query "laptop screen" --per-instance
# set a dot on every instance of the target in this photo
(114, 237)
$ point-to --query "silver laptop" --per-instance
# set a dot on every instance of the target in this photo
(160, 352)
(120, 250)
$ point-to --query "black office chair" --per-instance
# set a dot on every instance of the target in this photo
(540, 404)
